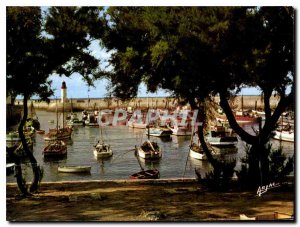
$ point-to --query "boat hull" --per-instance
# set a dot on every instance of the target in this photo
(136, 125)
(74, 169)
(150, 155)
(103, 154)
(196, 155)
(146, 174)
(222, 141)
(159, 132)
(284, 136)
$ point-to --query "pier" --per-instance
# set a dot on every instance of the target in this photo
(79, 104)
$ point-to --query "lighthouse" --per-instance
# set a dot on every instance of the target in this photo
(63, 92)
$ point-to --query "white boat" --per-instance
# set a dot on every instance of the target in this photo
(159, 132)
(149, 150)
(92, 120)
(74, 169)
(221, 137)
(288, 136)
(102, 150)
(197, 152)
(133, 124)
(74, 121)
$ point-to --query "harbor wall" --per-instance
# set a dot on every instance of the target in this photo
(249, 102)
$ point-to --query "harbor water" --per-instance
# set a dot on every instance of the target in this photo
(175, 161)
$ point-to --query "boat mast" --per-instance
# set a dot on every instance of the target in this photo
(242, 104)
(56, 119)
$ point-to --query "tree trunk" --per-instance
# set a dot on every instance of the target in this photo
(258, 171)
(33, 162)
(18, 170)
(201, 117)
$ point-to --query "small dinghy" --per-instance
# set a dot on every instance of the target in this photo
(146, 174)
(74, 169)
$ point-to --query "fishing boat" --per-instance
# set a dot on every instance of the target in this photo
(146, 174)
(74, 169)
(73, 120)
(196, 151)
(133, 124)
(221, 136)
(284, 135)
(159, 131)
(285, 132)
(56, 148)
(102, 150)
(58, 133)
(92, 120)
(239, 117)
(149, 150)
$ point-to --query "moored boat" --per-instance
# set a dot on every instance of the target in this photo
(197, 152)
(133, 124)
(74, 169)
(146, 174)
(102, 150)
(149, 150)
(58, 134)
(283, 135)
(221, 137)
(57, 148)
(159, 132)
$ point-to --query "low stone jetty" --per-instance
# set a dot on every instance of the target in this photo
(79, 104)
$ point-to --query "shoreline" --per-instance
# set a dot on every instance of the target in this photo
(169, 200)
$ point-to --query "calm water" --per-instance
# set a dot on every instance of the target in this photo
(175, 161)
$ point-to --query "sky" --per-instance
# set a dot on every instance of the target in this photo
(77, 88)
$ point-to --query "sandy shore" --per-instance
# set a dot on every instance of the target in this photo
(148, 200)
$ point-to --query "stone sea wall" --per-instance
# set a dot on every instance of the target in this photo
(249, 102)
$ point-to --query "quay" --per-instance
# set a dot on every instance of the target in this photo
(80, 104)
